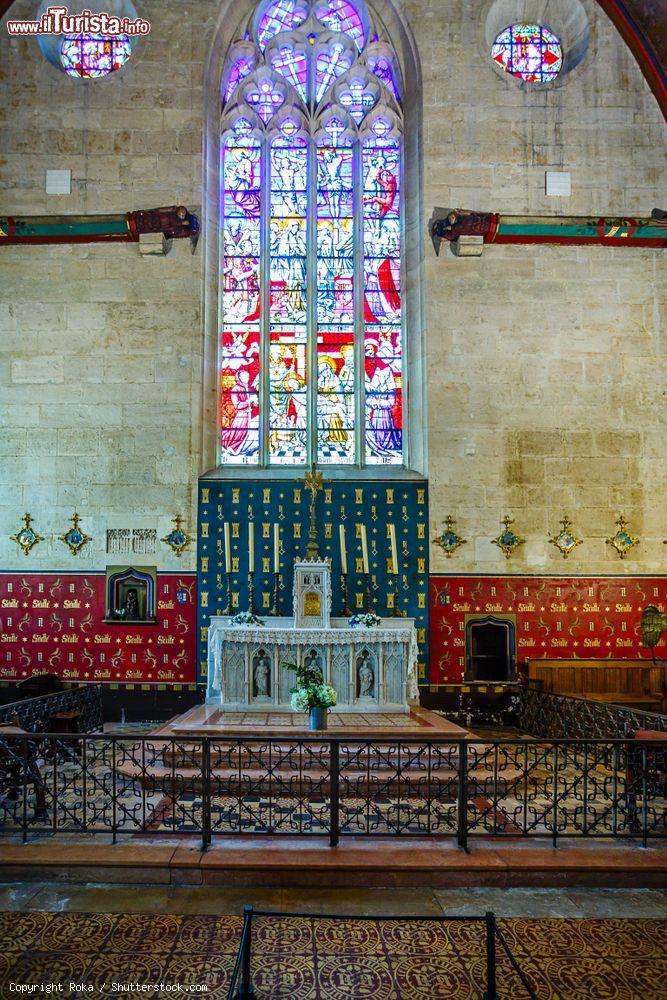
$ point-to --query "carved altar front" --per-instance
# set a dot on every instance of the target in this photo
(372, 669)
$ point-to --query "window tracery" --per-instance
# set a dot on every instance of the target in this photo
(311, 346)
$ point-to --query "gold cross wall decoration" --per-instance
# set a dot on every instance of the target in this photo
(565, 541)
(507, 541)
(622, 541)
(26, 537)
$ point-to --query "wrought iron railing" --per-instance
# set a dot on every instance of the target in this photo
(34, 713)
(556, 716)
(330, 787)
(241, 985)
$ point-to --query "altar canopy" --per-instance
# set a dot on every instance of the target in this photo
(372, 669)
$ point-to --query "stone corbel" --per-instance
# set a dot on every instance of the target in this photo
(154, 245)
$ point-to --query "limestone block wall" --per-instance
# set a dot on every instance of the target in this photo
(545, 387)
(100, 349)
(547, 383)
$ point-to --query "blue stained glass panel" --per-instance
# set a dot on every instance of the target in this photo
(384, 235)
(287, 396)
(241, 68)
(329, 65)
(266, 99)
(91, 56)
(357, 100)
(335, 237)
(240, 239)
(239, 395)
(381, 67)
(334, 182)
(341, 15)
(529, 51)
(293, 66)
(280, 15)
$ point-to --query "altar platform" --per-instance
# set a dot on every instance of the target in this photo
(210, 720)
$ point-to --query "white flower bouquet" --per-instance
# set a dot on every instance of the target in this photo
(246, 618)
(369, 620)
(310, 691)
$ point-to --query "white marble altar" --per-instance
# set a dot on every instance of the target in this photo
(372, 669)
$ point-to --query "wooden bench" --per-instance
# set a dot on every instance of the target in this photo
(637, 683)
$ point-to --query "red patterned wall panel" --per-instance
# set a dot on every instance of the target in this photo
(557, 617)
(54, 623)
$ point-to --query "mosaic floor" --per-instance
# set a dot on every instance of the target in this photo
(320, 959)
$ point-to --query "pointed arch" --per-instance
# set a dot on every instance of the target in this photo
(310, 243)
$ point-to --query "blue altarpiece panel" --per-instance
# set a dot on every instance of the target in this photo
(286, 502)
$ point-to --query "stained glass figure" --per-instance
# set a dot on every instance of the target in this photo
(382, 301)
(341, 15)
(280, 15)
(288, 298)
(381, 67)
(93, 56)
(240, 69)
(311, 237)
(293, 66)
(240, 298)
(529, 51)
(335, 298)
(266, 99)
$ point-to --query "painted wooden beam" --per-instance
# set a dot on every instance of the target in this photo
(175, 222)
(576, 230)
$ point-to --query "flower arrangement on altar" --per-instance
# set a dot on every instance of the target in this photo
(246, 618)
(311, 694)
(369, 620)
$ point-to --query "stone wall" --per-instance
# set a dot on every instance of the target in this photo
(544, 386)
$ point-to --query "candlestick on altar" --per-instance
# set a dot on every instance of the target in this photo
(251, 547)
(396, 611)
(276, 587)
(313, 483)
(364, 550)
(367, 591)
(343, 550)
(228, 548)
(276, 548)
(228, 606)
(346, 610)
(394, 551)
(251, 593)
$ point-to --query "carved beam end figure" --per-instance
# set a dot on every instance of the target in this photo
(467, 232)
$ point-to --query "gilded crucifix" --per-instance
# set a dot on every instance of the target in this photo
(313, 483)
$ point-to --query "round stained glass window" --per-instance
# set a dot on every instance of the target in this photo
(93, 56)
(529, 51)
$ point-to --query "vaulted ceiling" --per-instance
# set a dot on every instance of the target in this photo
(641, 23)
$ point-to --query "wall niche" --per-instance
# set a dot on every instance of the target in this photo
(130, 595)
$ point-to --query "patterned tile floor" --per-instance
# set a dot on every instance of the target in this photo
(320, 959)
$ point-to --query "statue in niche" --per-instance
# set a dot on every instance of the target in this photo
(262, 676)
(131, 605)
(366, 676)
(312, 661)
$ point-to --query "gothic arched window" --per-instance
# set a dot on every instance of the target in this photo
(311, 322)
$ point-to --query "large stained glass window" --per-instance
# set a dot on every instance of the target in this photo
(528, 51)
(311, 319)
